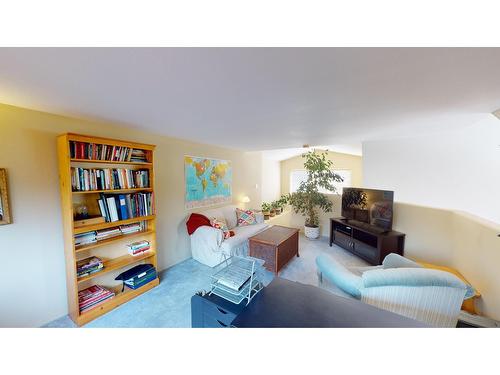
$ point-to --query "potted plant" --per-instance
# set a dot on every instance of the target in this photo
(276, 207)
(266, 210)
(307, 199)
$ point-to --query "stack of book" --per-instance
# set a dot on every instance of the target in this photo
(87, 179)
(133, 228)
(138, 156)
(125, 206)
(104, 234)
(141, 279)
(138, 248)
(93, 297)
(85, 238)
(88, 266)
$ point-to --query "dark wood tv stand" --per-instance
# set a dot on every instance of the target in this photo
(365, 241)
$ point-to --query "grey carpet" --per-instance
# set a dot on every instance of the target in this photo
(168, 305)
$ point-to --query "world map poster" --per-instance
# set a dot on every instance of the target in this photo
(208, 181)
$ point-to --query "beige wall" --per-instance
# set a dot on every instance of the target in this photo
(33, 280)
(271, 179)
(340, 161)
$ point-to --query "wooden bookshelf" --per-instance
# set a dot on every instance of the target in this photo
(113, 250)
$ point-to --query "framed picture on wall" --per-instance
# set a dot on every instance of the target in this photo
(5, 217)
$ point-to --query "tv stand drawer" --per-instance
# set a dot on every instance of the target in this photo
(365, 251)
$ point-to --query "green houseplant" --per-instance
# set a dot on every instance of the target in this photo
(308, 198)
(266, 210)
(275, 205)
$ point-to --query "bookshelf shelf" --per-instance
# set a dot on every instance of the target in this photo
(119, 299)
(111, 162)
(70, 149)
(89, 228)
(108, 241)
(114, 191)
(111, 265)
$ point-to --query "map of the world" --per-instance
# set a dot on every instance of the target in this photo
(208, 181)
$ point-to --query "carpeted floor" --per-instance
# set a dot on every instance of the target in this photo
(168, 305)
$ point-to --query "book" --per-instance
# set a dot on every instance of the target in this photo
(93, 296)
(113, 212)
(93, 151)
(125, 206)
(87, 266)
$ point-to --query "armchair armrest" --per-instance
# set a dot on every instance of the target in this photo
(339, 275)
(410, 277)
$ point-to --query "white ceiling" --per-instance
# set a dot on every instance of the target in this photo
(260, 98)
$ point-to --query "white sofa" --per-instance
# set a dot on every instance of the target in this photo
(208, 245)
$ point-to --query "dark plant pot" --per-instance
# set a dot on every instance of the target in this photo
(266, 214)
(272, 213)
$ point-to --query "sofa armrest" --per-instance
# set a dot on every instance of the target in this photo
(208, 237)
(410, 277)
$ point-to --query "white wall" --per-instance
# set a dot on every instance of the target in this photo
(456, 170)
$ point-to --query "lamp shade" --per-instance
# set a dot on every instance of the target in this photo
(245, 199)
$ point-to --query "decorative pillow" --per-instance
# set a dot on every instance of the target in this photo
(222, 225)
(245, 217)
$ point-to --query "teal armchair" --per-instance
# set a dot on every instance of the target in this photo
(398, 285)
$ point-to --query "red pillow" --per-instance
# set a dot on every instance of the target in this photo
(195, 221)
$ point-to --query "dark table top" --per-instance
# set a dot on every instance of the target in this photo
(289, 304)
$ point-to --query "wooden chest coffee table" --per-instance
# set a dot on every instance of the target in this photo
(276, 245)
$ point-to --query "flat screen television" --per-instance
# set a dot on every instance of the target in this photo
(370, 206)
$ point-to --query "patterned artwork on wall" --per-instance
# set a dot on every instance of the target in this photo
(208, 181)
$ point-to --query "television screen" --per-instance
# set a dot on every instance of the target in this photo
(373, 207)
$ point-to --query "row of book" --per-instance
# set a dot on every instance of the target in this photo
(138, 248)
(126, 206)
(88, 266)
(92, 297)
(85, 179)
(94, 151)
(88, 238)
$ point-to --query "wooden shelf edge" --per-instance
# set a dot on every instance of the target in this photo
(90, 228)
(74, 160)
(118, 263)
(112, 240)
(106, 141)
(119, 299)
(113, 191)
